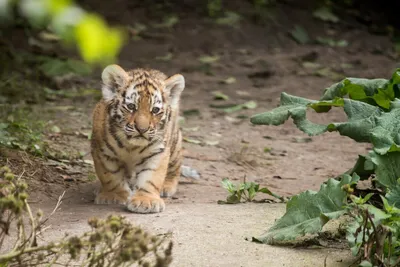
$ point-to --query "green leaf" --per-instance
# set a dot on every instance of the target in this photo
(386, 168)
(234, 108)
(191, 112)
(229, 80)
(55, 129)
(208, 59)
(386, 135)
(192, 141)
(374, 91)
(230, 18)
(364, 167)
(233, 199)
(377, 215)
(290, 106)
(269, 192)
(324, 13)
(97, 42)
(308, 212)
(168, 22)
(326, 41)
(361, 116)
(365, 263)
(300, 35)
(218, 95)
(166, 57)
(228, 185)
(393, 196)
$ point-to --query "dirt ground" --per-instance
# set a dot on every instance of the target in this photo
(265, 61)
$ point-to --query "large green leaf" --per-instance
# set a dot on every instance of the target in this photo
(387, 168)
(356, 88)
(307, 212)
(291, 106)
(366, 122)
(374, 91)
(386, 135)
(361, 116)
(361, 120)
(393, 196)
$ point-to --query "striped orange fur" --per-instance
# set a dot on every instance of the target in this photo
(136, 140)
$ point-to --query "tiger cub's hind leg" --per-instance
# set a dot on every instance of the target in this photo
(171, 182)
(174, 171)
(114, 189)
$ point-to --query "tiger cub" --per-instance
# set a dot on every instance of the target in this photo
(136, 140)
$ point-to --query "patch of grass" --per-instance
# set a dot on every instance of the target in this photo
(16, 87)
(20, 130)
(77, 93)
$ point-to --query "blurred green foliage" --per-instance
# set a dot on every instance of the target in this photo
(96, 42)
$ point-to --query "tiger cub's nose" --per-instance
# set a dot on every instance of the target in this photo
(141, 130)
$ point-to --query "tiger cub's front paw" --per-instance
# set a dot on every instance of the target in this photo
(146, 204)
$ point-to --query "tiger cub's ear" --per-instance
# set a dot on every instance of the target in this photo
(113, 77)
(174, 86)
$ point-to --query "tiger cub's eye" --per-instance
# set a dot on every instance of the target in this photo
(131, 106)
(155, 110)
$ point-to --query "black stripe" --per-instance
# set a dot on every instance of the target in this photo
(149, 145)
(153, 185)
(150, 156)
(141, 76)
(113, 133)
(165, 121)
(115, 105)
(109, 107)
(173, 163)
(134, 147)
(109, 146)
(110, 158)
(115, 187)
(174, 142)
(144, 190)
(148, 83)
(108, 170)
(116, 117)
(173, 170)
(169, 115)
(116, 171)
(123, 95)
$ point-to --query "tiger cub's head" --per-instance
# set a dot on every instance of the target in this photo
(139, 102)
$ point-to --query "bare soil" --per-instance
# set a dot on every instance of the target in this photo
(265, 61)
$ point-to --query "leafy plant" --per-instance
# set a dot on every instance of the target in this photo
(113, 241)
(245, 191)
(372, 107)
(17, 131)
(374, 232)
